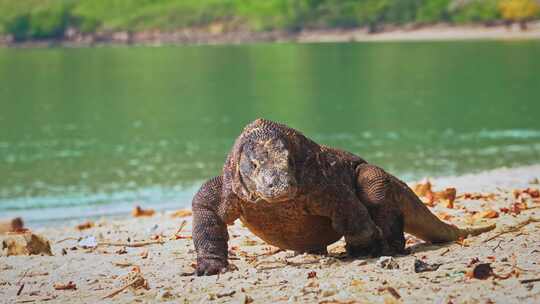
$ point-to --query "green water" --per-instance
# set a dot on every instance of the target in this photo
(95, 130)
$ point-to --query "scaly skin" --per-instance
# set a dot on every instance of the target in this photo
(298, 195)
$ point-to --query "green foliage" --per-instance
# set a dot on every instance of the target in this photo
(35, 19)
(434, 11)
(26, 19)
(477, 11)
(18, 26)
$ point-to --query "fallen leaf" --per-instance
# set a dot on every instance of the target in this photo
(182, 213)
(444, 216)
(392, 291)
(490, 213)
(357, 283)
(312, 274)
(85, 225)
(463, 242)
(478, 196)
(249, 242)
(69, 286)
(138, 212)
(448, 195)
(422, 189)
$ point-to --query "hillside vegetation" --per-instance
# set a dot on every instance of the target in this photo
(39, 19)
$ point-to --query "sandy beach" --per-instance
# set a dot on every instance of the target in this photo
(152, 252)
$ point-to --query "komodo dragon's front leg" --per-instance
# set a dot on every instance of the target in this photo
(351, 219)
(211, 214)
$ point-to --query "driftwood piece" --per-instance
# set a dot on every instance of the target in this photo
(26, 243)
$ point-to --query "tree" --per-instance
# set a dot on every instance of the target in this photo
(519, 11)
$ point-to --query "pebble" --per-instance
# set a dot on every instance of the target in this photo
(387, 262)
(163, 295)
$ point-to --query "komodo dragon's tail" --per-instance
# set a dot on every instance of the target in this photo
(420, 222)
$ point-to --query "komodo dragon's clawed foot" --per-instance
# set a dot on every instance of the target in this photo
(207, 267)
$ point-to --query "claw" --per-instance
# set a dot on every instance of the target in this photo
(208, 267)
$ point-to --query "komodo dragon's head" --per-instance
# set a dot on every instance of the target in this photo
(266, 170)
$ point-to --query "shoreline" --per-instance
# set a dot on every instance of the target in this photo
(437, 32)
(123, 212)
(265, 274)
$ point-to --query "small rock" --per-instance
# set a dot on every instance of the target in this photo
(421, 266)
(163, 295)
(387, 262)
(327, 261)
(88, 242)
(482, 271)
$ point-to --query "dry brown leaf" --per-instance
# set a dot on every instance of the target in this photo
(448, 196)
(490, 213)
(478, 196)
(249, 242)
(138, 211)
(392, 291)
(422, 189)
(444, 216)
(534, 193)
(85, 225)
(68, 286)
(463, 242)
(182, 213)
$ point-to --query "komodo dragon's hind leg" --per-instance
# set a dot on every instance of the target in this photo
(375, 191)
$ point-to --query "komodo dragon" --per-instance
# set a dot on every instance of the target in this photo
(296, 194)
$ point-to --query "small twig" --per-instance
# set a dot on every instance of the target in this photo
(122, 264)
(182, 225)
(529, 281)
(23, 276)
(227, 294)
(119, 290)
(20, 289)
(445, 252)
(177, 235)
(134, 244)
(19, 282)
(513, 228)
(498, 246)
(36, 300)
(66, 239)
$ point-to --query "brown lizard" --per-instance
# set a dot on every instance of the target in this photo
(296, 194)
